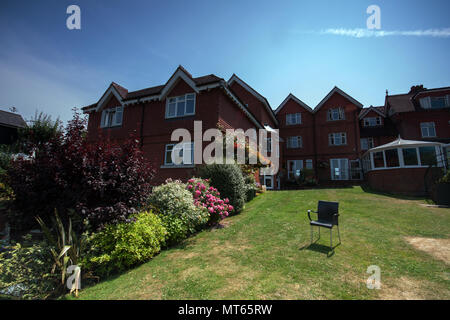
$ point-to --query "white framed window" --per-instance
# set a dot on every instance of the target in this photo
(339, 169)
(435, 102)
(294, 168)
(186, 152)
(335, 114)
(309, 164)
(372, 121)
(180, 106)
(293, 118)
(294, 142)
(337, 139)
(367, 143)
(428, 129)
(112, 117)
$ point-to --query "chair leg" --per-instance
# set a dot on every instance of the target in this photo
(331, 239)
(319, 232)
(311, 233)
(339, 235)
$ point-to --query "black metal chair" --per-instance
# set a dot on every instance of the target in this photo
(327, 217)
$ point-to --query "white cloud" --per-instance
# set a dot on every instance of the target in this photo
(367, 33)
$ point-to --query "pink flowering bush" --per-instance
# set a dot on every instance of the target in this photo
(209, 197)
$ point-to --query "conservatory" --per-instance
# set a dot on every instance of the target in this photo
(403, 166)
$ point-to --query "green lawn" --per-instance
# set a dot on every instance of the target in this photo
(264, 253)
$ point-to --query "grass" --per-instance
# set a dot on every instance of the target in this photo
(264, 253)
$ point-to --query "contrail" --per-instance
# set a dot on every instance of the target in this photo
(367, 33)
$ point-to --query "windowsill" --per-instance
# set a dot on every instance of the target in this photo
(111, 127)
(172, 166)
(179, 117)
(338, 145)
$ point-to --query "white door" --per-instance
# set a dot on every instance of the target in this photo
(339, 169)
(268, 182)
(294, 168)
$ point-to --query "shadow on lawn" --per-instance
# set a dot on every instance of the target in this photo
(320, 248)
(393, 195)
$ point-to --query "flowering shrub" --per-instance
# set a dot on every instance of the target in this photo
(174, 200)
(228, 179)
(208, 197)
(101, 182)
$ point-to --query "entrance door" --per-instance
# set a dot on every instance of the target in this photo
(268, 182)
(355, 170)
(294, 168)
(339, 169)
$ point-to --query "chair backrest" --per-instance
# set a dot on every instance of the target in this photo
(326, 210)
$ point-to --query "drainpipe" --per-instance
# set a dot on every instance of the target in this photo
(141, 138)
(316, 172)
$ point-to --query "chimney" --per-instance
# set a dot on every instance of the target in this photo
(418, 88)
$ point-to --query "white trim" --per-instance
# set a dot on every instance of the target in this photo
(365, 111)
(111, 90)
(243, 108)
(179, 74)
(300, 102)
(342, 93)
(235, 78)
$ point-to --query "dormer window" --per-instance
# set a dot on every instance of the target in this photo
(112, 117)
(335, 114)
(180, 106)
(435, 102)
(372, 121)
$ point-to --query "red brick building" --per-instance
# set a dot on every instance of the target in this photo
(154, 113)
(421, 114)
(329, 139)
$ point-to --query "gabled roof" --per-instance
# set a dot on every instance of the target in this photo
(242, 83)
(342, 93)
(157, 92)
(12, 120)
(113, 90)
(160, 92)
(399, 103)
(379, 110)
(300, 102)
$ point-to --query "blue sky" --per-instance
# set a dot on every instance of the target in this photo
(277, 47)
